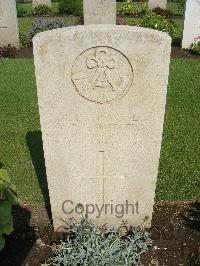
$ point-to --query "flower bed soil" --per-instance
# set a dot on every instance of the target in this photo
(175, 232)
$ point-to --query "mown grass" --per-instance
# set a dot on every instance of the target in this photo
(25, 23)
(179, 174)
(19, 115)
(20, 137)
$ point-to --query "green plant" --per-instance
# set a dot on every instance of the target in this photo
(40, 25)
(195, 46)
(42, 10)
(21, 12)
(71, 7)
(25, 40)
(129, 7)
(91, 244)
(8, 51)
(181, 5)
(7, 200)
(157, 22)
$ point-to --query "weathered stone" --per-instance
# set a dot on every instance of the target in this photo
(101, 93)
(41, 2)
(191, 23)
(9, 33)
(99, 11)
(152, 4)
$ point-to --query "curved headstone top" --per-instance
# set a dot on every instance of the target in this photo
(101, 95)
(41, 2)
(149, 33)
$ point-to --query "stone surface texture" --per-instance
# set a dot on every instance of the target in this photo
(191, 22)
(9, 33)
(99, 11)
(157, 3)
(101, 95)
(41, 2)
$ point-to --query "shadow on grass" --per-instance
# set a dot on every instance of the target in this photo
(35, 146)
(20, 241)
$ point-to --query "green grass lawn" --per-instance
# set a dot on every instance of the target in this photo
(179, 175)
(25, 23)
(20, 137)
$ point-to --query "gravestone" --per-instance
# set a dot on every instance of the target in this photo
(41, 2)
(152, 4)
(101, 100)
(99, 11)
(9, 33)
(191, 23)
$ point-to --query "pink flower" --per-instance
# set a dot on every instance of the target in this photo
(197, 38)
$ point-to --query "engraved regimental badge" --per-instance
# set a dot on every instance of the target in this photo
(102, 74)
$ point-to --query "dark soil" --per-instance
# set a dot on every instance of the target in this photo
(26, 52)
(175, 232)
(177, 52)
(166, 13)
(176, 235)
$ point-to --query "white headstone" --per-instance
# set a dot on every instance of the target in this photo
(191, 23)
(41, 2)
(99, 11)
(152, 4)
(102, 103)
(9, 33)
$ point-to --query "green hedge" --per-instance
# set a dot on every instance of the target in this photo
(74, 7)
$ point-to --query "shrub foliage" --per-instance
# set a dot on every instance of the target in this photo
(42, 10)
(195, 47)
(134, 8)
(7, 200)
(158, 22)
(91, 244)
(74, 7)
(21, 12)
(39, 25)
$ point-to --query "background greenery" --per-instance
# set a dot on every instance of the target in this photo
(173, 7)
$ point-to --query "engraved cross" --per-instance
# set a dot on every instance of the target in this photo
(103, 176)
